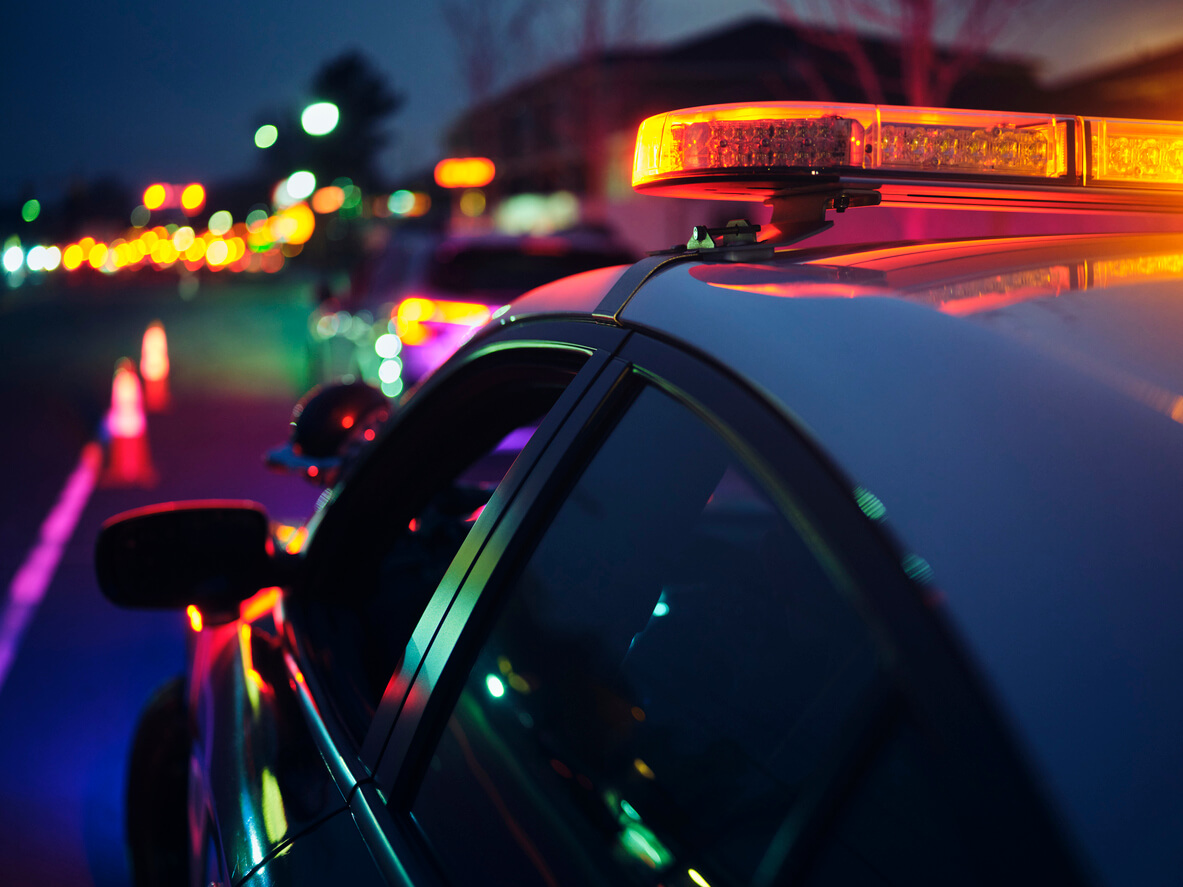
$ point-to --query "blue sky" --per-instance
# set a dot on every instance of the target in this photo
(172, 91)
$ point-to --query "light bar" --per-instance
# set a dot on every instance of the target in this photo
(753, 151)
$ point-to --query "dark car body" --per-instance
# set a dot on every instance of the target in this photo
(835, 566)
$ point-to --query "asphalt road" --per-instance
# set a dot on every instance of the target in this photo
(81, 669)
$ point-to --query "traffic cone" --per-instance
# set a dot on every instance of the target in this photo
(128, 463)
(154, 367)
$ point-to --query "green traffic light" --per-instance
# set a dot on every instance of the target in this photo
(31, 210)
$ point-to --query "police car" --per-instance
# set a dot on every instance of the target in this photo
(754, 562)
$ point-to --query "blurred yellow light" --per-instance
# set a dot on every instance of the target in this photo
(464, 172)
(164, 253)
(217, 252)
(97, 256)
(155, 196)
(195, 620)
(472, 203)
(72, 257)
(328, 199)
(294, 224)
(183, 239)
(196, 251)
(192, 198)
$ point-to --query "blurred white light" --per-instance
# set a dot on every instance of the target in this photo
(401, 202)
(36, 259)
(390, 370)
(393, 389)
(14, 257)
(301, 184)
(220, 222)
(320, 119)
(53, 258)
(388, 345)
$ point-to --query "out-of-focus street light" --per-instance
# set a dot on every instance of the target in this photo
(320, 119)
(266, 135)
(464, 172)
(301, 184)
(31, 210)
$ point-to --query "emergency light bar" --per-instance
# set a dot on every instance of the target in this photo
(914, 156)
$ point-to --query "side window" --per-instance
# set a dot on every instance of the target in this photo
(421, 501)
(662, 679)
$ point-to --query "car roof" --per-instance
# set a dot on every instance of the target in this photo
(1015, 403)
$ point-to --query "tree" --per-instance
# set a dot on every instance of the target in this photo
(927, 73)
(365, 101)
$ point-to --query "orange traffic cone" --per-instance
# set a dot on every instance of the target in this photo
(128, 463)
(154, 367)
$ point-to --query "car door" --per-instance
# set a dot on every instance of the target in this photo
(382, 541)
(685, 653)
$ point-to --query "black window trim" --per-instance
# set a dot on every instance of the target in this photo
(529, 344)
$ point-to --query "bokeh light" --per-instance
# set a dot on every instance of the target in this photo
(256, 219)
(140, 216)
(183, 238)
(155, 196)
(221, 222)
(401, 202)
(464, 172)
(35, 260)
(320, 118)
(14, 257)
(53, 258)
(217, 253)
(472, 202)
(73, 257)
(328, 199)
(192, 199)
(266, 135)
(300, 184)
(96, 256)
(31, 210)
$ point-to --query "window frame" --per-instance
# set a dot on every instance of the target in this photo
(581, 349)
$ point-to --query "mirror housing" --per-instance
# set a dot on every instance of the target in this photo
(328, 425)
(212, 553)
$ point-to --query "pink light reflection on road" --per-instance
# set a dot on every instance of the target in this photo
(32, 580)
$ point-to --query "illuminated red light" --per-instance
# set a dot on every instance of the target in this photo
(370, 434)
(347, 422)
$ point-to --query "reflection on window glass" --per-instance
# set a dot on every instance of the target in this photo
(367, 637)
(668, 669)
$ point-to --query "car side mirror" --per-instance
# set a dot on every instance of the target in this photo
(328, 428)
(211, 553)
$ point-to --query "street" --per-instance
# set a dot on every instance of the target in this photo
(80, 670)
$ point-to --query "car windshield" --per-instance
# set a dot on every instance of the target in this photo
(512, 269)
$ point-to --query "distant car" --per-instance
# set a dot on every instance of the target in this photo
(754, 562)
(426, 292)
